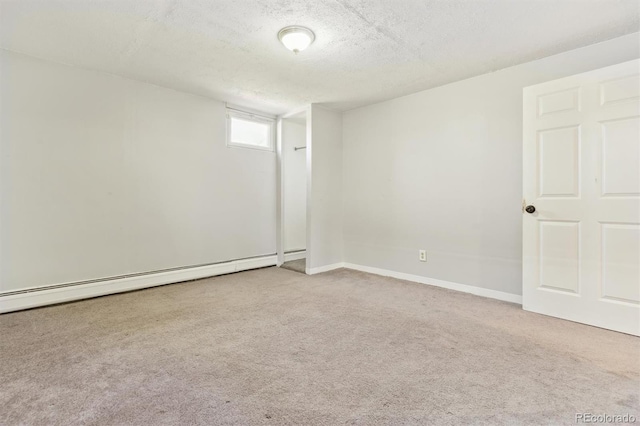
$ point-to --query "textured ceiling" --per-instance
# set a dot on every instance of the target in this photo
(365, 51)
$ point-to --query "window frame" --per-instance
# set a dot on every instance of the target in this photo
(255, 118)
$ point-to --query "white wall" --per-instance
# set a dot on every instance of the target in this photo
(294, 134)
(324, 212)
(103, 176)
(441, 170)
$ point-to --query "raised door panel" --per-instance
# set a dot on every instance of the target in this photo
(621, 157)
(559, 162)
(620, 90)
(558, 102)
(621, 262)
(559, 255)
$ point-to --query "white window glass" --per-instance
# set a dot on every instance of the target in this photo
(249, 131)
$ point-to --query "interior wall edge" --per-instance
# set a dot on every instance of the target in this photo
(247, 106)
(124, 77)
(325, 188)
(634, 37)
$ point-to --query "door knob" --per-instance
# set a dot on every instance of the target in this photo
(530, 209)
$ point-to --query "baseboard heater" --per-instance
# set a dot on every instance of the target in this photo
(59, 293)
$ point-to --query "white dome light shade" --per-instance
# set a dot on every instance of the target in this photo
(296, 38)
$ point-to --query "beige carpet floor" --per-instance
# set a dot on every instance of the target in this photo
(299, 265)
(273, 346)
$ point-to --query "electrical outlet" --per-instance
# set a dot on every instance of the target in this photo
(422, 254)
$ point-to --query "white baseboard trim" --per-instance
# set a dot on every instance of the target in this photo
(326, 268)
(295, 255)
(478, 291)
(50, 296)
(35, 298)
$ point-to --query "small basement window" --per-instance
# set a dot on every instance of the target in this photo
(248, 130)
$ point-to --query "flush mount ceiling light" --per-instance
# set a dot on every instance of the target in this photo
(296, 38)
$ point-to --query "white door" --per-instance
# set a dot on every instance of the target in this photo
(581, 245)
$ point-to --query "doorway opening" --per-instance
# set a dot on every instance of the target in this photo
(293, 155)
